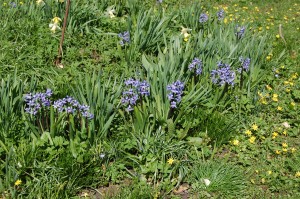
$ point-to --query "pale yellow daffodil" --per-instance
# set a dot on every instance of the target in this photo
(53, 27)
(184, 31)
(56, 20)
(110, 12)
(40, 2)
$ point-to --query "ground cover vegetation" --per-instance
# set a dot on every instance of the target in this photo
(151, 99)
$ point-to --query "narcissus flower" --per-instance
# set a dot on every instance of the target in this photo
(40, 2)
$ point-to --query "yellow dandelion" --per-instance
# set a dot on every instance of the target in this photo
(274, 135)
(235, 142)
(170, 161)
(269, 87)
(18, 182)
(285, 145)
(248, 132)
(252, 139)
(254, 127)
(269, 172)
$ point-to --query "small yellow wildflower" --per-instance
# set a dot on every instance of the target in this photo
(252, 139)
(263, 180)
(267, 27)
(170, 161)
(268, 58)
(21, 3)
(269, 172)
(274, 135)
(291, 84)
(284, 145)
(277, 152)
(275, 98)
(293, 103)
(18, 182)
(256, 171)
(297, 175)
(277, 36)
(284, 150)
(260, 29)
(263, 100)
(269, 87)
(282, 67)
(254, 127)
(279, 108)
(287, 90)
(248, 132)
(284, 133)
(235, 142)
(293, 150)
(286, 82)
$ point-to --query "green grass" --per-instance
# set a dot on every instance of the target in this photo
(154, 151)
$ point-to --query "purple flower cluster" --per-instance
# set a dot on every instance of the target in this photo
(35, 102)
(134, 91)
(176, 90)
(125, 36)
(239, 31)
(223, 75)
(221, 14)
(72, 106)
(203, 18)
(196, 64)
(245, 64)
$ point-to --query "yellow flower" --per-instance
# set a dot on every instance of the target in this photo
(252, 139)
(274, 135)
(275, 98)
(285, 145)
(277, 152)
(293, 150)
(260, 29)
(277, 36)
(269, 172)
(53, 27)
(284, 150)
(297, 175)
(268, 58)
(291, 83)
(56, 20)
(184, 31)
(267, 27)
(293, 103)
(235, 142)
(254, 127)
(279, 108)
(263, 100)
(287, 90)
(21, 3)
(263, 180)
(284, 133)
(18, 182)
(248, 132)
(170, 161)
(268, 87)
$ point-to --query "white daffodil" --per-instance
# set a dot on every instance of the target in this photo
(40, 2)
(184, 31)
(53, 27)
(206, 182)
(56, 20)
(110, 12)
